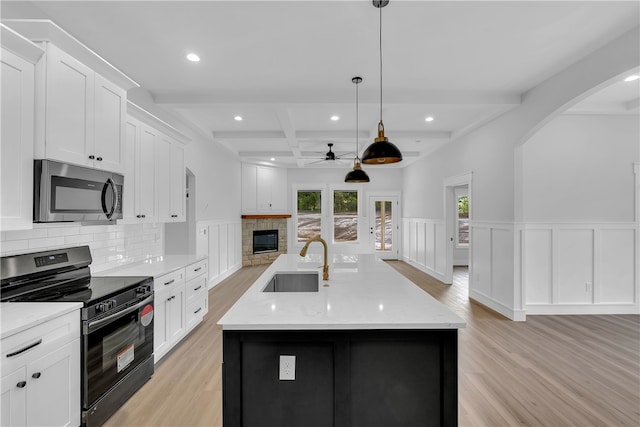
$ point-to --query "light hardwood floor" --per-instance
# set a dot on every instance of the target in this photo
(547, 371)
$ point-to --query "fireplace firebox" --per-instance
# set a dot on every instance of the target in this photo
(265, 241)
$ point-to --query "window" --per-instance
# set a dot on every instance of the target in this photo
(463, 220)
(345, 216)
(309, 214)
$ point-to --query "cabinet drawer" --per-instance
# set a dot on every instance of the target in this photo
(164, 281)
(33, 343)
(196, 269)
(196, 287)
(196, 309)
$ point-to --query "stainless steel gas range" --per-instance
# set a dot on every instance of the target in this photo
(117, 321)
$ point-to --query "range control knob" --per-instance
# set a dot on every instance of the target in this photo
(105, 306)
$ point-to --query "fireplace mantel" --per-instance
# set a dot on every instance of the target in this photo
(266, 216)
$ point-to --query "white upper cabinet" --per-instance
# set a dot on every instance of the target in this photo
(84, 115)
(155, 173)
(17, 72)
(140, 173)
(171, 180)
(263, 189)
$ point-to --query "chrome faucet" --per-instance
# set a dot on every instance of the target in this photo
(325, 267)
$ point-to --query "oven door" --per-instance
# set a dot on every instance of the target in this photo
(113, 346)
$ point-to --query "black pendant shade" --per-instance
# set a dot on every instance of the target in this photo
(357, 174)
(381, 151)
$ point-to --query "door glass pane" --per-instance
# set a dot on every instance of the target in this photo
(309, 215)
(345, 216)
(463, 221)
(384, 226)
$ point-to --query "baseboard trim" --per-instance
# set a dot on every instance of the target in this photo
(223, 276)
(581, 309)
(431, 272)
(498, 307)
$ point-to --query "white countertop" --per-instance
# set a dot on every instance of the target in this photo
(155, 267)
(18, 316)
(362, 293)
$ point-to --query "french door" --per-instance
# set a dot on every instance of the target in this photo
(383, 226)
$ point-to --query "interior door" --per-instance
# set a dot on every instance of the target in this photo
(383, 226)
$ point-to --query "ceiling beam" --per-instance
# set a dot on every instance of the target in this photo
(284, 116)
(319, 96)
(249, 135)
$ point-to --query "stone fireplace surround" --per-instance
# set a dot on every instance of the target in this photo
(263, 222)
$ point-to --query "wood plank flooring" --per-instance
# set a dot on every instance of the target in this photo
(548, 371)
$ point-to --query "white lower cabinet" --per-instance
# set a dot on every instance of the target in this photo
(169, 322)
(181, 301)
(40, 382)
(197, 295)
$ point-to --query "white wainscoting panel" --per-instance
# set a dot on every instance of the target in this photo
(539, 275)
(580, 268)
(617, 268)
(221, 241)
(492, 257)
(424, 245)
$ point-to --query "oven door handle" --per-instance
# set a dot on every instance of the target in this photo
(97, 324)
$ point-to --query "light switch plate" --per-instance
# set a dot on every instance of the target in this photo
(287, 368)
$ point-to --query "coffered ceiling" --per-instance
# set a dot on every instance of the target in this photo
(285, 67)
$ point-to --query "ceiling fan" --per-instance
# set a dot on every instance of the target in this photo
(330, 156)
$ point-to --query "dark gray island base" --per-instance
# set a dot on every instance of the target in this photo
(343, 378)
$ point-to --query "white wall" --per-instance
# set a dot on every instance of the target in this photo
(382, 180)
(589, 177)
(493, 156)
(579, 237)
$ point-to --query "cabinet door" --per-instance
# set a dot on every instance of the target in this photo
(109, 118)
(176, 316)
(249, 190)
(263, 188)
(53, 396)
(178, 183)
(129, 203)
(160, 338)
(146, 174)
(279, 190)
(16, 143)
(163, 180)
(13, 399)
(69, 109)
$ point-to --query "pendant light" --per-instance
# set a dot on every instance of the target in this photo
(381, 151)
(357, 174)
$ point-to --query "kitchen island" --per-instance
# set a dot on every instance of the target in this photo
(369, 348)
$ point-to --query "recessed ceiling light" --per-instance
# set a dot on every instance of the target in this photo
(335, 118)
(632, 78)
(193, 57)
(273, 159)
(238, 118)
(428, 119)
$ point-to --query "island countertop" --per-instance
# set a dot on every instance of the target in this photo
(362, 292)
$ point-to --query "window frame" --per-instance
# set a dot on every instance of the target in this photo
(359, 217)
(323, 211)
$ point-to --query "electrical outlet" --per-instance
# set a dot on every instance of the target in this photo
(287, 368)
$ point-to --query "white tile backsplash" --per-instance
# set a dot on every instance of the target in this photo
(111, 245)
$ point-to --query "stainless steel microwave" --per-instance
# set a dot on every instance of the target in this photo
(64, 192)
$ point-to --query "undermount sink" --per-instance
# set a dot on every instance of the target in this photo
(293, 282)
